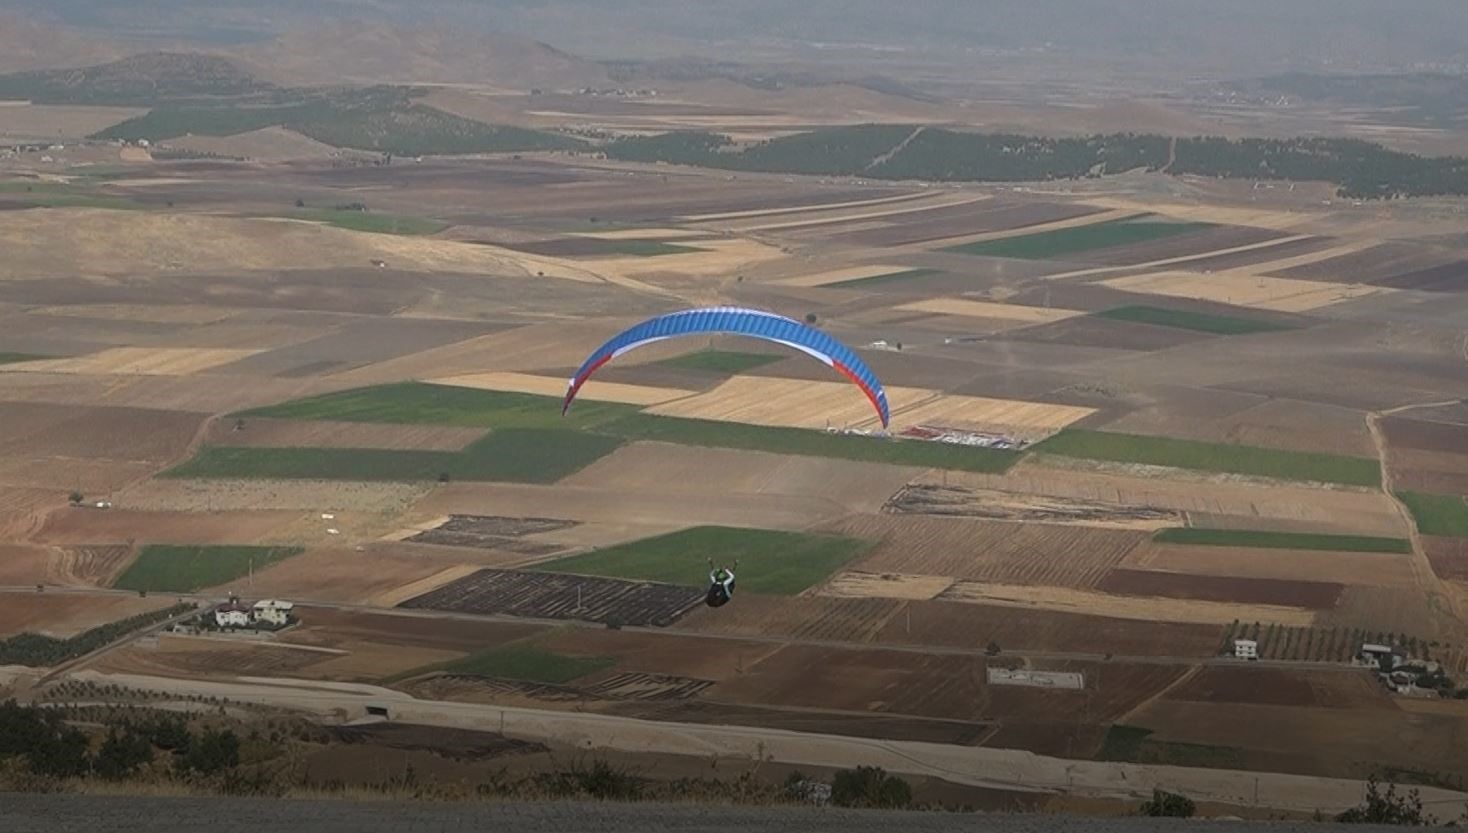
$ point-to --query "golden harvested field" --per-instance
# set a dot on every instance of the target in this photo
(1278, 294)
(1011, 416)
(796, 403)
(147, 361)
(1139, 608)
(62, 614)
(283, 433)
(714, 258)
(1018, 313)
(551, 386)
(102, 242)
(1371, 569)
(1218, 214)
(997, 551)
(863, 585)
(845, 273)
(1275, 506)
(845, 485)
(801, 403)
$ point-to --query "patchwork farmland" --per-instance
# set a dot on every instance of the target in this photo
(1133, 419)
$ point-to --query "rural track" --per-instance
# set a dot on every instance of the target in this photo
(991, 768)
(1439, 597)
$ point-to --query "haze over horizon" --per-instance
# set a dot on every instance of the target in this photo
(1238, 37)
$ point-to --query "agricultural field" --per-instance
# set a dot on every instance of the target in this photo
(769, 562)
(1216, 457)
(724, 362)
(1440, 515)
(560, 596)
(1182, 319)
(525, 662)
(165, 568)
(1062, 244)
(1281, 540)
(523, 455)
(371, 221)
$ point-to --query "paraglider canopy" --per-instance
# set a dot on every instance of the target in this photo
(738, 321)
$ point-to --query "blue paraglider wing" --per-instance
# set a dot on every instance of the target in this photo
(744, 322)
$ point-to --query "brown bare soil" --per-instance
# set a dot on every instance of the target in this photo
(41, 430)
(1370, 569)
(948, 687)
(667, 654)
(62, 615)
(84, 525)
(333, 628)
(1364, 266)
(1182, 245)
(1014, 553)
(1310, 594)
(1284, 687)
(345, 575)
(1449, 557)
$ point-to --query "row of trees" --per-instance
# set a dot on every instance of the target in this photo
(34, 649)
(1362, 170)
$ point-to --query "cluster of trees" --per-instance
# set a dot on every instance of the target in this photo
(1362, 170)
(49, 747)
(34, 649)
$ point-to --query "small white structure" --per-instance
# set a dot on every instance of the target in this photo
(1246, 649)
(232, 614)
(273, 611)
(1373, 654)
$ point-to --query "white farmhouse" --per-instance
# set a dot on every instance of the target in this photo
(232, 614)
(273, 611)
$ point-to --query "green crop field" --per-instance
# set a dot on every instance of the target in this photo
(518, 455)
(15, 358)
(885, 279)
(174, 569)
(812, 443)
(416, 402)
(721, 361)
(1133, 744)
(1048, 245)
(1199, 321)
(1445, 515)
(770, 561)
(1281, 540)
(526, 663)
(372, 222)
(1218, 457)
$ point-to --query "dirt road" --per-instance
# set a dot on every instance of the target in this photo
(974, 766)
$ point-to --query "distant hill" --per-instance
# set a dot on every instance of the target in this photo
(344, 53)
(138, 80)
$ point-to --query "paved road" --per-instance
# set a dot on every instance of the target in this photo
(116, 814)
(974, 766)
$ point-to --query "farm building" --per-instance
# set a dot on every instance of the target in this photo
(1246, 649)
(1379, 655)
(232, 614)
(273, 612)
